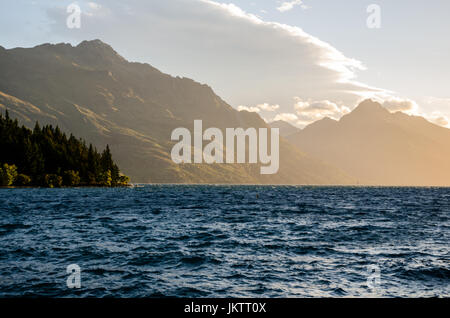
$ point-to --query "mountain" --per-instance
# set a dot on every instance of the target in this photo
(286, 129)
(93, 92)
(381, 148)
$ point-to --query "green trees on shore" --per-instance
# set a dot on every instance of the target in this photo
(8, 174)
(47, 157)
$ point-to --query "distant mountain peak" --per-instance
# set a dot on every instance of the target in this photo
(54, 45)
(321, 123)
(98, 52)
(326, 119)
(368, 110)
(281, 122)
(370, 106)
(87, 44)
(94, 44)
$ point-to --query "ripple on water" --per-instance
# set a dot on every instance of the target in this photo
(225, 241)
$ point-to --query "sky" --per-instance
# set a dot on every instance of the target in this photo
(297, 61)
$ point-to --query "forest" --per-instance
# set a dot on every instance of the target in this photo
(47, 157)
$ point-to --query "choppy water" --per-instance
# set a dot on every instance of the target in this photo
(226, 241)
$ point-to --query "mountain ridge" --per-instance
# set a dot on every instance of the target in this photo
(285, 128)
(93, 92)
(380, 147)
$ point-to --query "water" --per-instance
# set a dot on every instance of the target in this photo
(226, 241)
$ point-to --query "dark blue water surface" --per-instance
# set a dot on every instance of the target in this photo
(226, 241)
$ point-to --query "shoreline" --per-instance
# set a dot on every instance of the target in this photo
(141, 185)
(78, 187)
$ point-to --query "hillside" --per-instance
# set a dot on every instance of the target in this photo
(381, 148)
(285, 128)
(91, 91)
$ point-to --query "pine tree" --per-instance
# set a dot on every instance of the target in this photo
(46, 157)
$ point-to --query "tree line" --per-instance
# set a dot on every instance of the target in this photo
(46, 157)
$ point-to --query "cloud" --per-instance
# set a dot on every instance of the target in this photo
(267, 107)
(289, 5)
(309, 111)
(437, 109)
(397, 104)
(439, 119)
(445, 102)
(249, 109)
(244, 58)
(256, 109)
(93, 5)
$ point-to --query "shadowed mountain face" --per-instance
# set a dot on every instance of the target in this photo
(286, 129)
(382, 148)
(91, 91)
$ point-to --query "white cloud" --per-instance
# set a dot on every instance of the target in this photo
(267, 107)
(438, 118)
(242, 57)
(397, 104)
(309, 111)
(93, 5)
(256, 109)
(445, 102)
(438, 109)
(289, 5)
(249, 109)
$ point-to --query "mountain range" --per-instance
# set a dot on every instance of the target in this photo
(381, 148)
(93, 92)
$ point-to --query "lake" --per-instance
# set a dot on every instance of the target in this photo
(226, 241)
